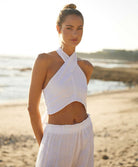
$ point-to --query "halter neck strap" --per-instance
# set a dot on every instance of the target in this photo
(64, 55)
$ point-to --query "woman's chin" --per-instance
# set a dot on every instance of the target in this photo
(73, 44)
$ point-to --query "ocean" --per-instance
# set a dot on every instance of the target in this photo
(15, 77)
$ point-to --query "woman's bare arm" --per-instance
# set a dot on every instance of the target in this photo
(38, 77)
(89, 69)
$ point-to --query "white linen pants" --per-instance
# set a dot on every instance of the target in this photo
(67, 145)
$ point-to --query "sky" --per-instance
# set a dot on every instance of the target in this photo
(28, 27)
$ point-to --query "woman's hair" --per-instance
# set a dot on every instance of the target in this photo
(69, 9)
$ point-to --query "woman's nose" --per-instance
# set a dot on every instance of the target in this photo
(74, 33)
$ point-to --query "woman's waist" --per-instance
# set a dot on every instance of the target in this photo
(68, 116)
(86, 124)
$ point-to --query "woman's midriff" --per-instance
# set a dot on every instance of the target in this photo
(73, 113)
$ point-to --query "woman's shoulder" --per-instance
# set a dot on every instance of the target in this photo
(87, 64)
(45, 58)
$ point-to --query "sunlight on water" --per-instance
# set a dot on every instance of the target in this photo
(97, 86)
(15, 76)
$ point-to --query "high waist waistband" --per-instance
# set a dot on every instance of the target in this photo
(52, 128)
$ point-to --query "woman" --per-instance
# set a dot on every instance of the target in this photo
(67, 139)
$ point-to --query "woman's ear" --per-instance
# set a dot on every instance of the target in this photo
(58, 29)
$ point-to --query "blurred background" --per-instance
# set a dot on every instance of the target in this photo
(110, 43)
(28, 28)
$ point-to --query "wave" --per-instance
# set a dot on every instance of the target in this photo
(16, 57)
(25, 69)
(4, 86)
(17, 69)
(22, 69)
(4, 75)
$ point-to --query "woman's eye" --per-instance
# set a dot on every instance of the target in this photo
(69, 28)
(79, 28)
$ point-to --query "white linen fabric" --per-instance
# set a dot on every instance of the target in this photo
(67, 85)
(67, 145)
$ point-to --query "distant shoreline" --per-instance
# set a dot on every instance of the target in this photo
(126, 75)
(114, 54)
(16, 75)
(16, 103)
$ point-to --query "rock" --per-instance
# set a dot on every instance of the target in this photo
(105, 157)
(120, 163)
(99, 150)
(105, 150)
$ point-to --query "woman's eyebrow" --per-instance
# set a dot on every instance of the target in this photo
(69, 25)
(73, 26)
(80, 26)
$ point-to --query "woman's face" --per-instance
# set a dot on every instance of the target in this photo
(71, 31)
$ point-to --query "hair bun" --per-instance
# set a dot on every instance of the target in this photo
(70, 6)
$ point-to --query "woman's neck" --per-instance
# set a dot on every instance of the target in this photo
(68, 50)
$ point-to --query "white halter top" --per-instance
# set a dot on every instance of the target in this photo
(69, 84)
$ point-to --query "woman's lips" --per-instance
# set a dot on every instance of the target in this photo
(74, 40)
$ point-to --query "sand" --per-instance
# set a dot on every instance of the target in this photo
(115, 123)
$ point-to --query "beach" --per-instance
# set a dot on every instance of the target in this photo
(113, 113)
(114, 116)
(30, 31)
